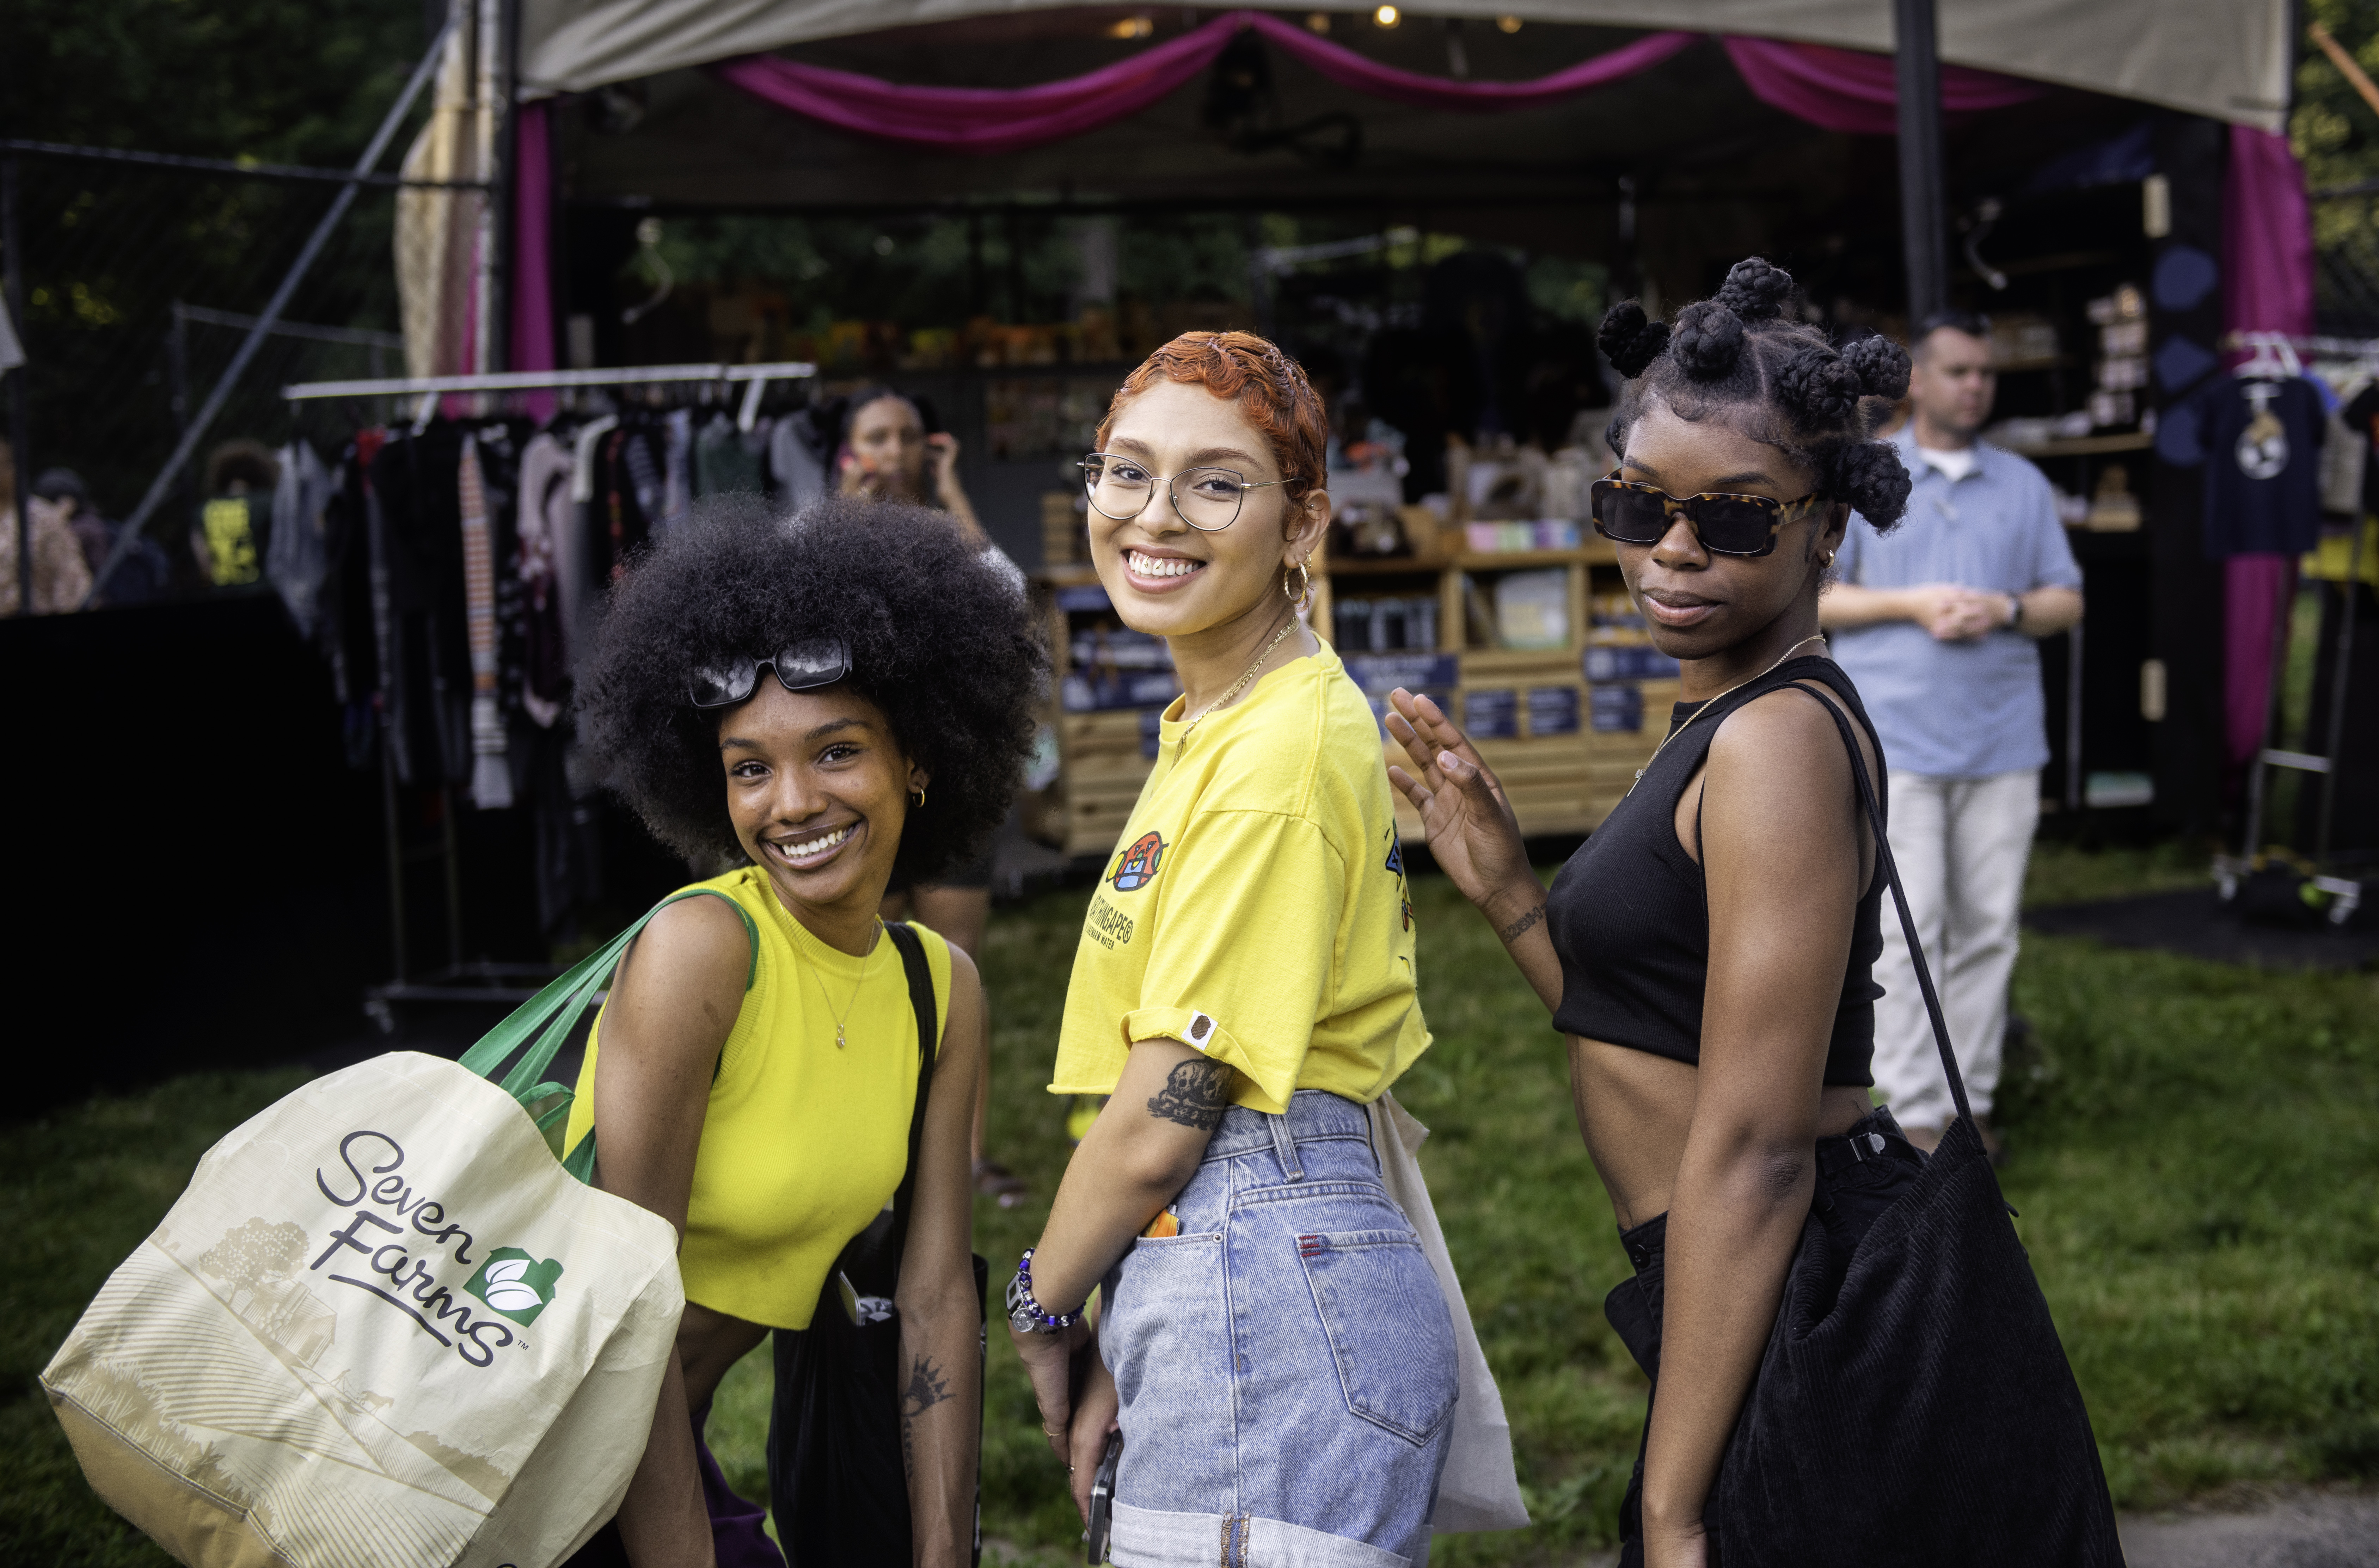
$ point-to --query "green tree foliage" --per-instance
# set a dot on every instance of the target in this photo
(290, 81)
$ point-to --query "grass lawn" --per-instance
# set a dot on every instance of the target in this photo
(2194, 1148)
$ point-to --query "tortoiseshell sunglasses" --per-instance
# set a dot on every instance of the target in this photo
(1628, 511)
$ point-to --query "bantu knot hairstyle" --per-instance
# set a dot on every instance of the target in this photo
(1756, 290)
(1880, 365)
(1707, 340)
(1741, 358)
(1628, 341)
(1870, 476)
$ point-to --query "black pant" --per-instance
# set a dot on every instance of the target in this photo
(1856, 1182)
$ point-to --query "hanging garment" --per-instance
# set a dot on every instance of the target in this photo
(426, 661)
(2262, 469)
(726, 460)
(491, 780)
(677, 467)
(798, 450)
(545, 510)
(235, 533)
(295, 558)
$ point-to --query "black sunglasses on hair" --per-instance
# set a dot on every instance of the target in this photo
(799, 667)
(1629, 512)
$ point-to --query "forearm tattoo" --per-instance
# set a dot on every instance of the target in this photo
(1194, 1095)
(927, 1387)
(1519, 927)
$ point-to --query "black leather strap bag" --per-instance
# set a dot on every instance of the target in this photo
(836, 1484)
(1925, 1412)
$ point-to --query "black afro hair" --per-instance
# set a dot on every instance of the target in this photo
(1743, 358)
(941, 638)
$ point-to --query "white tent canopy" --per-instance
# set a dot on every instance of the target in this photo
(2228, 59)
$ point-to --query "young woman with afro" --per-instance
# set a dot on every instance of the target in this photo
(1707, 950)
(819, 700)
(1244, 990)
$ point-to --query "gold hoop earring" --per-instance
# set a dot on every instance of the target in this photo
(1827, 559)
(920, 798)
(1304, 594)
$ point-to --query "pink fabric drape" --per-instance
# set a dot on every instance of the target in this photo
(2268, 286)
(1838, 88)
(1842, 89)
(532, 273)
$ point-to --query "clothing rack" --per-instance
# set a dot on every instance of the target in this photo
(458, 981)
(430, 387)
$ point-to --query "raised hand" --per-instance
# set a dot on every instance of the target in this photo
(1472, 834)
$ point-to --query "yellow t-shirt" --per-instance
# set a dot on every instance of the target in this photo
(1256, 907)
(802, 1143)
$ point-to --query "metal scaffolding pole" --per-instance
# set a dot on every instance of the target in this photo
(1924, 206)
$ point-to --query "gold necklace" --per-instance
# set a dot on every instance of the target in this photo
(1241, 684)
(864, 965)
(1707, 703)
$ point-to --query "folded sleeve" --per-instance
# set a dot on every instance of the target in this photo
(1246, 931)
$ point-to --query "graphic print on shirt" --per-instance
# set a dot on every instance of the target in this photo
(1397, 866)
(1138, 867)
(2262, 449)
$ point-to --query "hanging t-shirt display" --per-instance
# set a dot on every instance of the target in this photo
(2263, 471)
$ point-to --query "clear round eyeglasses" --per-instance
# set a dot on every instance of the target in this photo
(1207, 499)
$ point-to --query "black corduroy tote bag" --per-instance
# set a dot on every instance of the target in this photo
(837, 1481)
(1926, 1413)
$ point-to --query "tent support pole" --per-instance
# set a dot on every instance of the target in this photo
(12, 287)
(1924, 217)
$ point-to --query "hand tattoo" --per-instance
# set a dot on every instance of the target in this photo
(1519, 927)
(1193, 1095)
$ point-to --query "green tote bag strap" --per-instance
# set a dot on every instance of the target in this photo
(551, 1015)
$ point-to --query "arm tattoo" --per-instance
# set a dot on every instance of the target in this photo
(1519, 927)
(1193, 1095)
(927, 1387)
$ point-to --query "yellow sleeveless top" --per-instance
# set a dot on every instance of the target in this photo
(802, 1144)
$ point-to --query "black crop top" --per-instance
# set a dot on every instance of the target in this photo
(1629, 915)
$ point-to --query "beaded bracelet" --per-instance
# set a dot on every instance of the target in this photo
(1023, 1305)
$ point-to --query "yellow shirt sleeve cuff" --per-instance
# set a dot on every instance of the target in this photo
(1209, 1038)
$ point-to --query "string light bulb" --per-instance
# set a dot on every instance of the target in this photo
(1132, 26)
(1508, 24)
(1317, 21)
(1387, 16)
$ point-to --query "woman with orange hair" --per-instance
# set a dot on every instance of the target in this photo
(1273, 1344)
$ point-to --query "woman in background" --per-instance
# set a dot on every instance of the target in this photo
(883, 455)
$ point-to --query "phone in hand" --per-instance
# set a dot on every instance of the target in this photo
(1102, 1499)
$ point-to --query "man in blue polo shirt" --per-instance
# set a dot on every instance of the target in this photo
(1937, 622)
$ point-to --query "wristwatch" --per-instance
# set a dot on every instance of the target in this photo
(2015, 613)
(1024, 1314)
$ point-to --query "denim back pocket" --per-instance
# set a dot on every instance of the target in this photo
(1389, 1332)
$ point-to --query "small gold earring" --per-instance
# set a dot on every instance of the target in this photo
(920, 798)
(1825, 559)
(1303, 595)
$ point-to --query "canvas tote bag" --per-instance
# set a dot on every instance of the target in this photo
(383, 1326)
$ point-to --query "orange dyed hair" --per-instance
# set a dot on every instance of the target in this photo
(1272, 393)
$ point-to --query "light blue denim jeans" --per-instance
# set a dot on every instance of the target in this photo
(1285, 1364)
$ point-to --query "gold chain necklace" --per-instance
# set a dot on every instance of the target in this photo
(1707, 703)
(1241, 684)
(864, 965)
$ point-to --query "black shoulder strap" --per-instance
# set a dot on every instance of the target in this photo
(1899, 902)
(921, 1002)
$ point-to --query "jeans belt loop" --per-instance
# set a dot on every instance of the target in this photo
(1284, 1146)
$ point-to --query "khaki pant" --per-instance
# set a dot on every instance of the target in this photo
(1961, 845)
